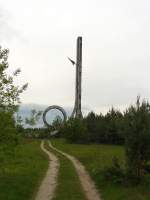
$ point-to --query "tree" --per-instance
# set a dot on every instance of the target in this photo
(75, 131)
(9, 100)
(93, 123)
(34, 117)
(19, 123)
(8, 133)
(9, 92)
(105, 128)
(91, 126)
(113, 127)
(57, 122)
(137, 138)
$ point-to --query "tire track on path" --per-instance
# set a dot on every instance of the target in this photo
(87, 183)
(48, 186)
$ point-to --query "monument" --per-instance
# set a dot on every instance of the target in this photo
(77, 113)
(77, 107)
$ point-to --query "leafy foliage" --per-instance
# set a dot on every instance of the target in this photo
(9, 99)
(137, 138)
(9, 92)
(75, 130)
(34, 118)
(57, 123)
(19, 123)
(105, 128)
(8, 133)
(114, 173)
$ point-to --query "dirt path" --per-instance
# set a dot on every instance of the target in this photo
(49, 183)
(86, 181)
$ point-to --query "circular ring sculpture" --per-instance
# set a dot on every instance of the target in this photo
(51, 108)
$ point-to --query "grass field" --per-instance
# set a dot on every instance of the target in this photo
(69, 187)
(21, 174)
(97, 157)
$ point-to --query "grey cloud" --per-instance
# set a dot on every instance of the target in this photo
(7, 31)
(116, 47)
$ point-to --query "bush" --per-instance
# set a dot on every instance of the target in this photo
(75, 131)
(114, 173)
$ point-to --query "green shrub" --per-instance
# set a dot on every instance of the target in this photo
(114, 173)
(75, 131)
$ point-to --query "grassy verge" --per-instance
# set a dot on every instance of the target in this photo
(21, 173)
(97, 157)
(69, 187)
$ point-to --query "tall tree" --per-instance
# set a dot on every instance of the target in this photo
(9, 100)
(137, 138)
(9, 92)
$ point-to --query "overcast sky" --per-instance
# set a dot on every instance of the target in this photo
(116, 49)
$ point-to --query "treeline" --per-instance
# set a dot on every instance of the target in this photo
(105, 128)
(96, 128)
(111, 128)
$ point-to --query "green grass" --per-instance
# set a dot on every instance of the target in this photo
(96, 158)
(21, 174)
(69, 187)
